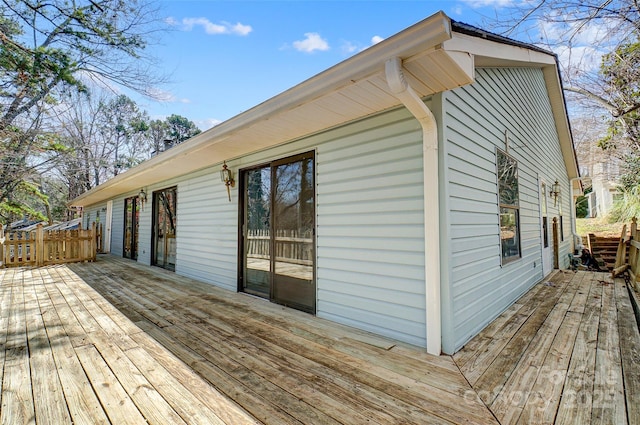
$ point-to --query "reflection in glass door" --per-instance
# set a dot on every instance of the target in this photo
(164, 228)
(547, 251)
(257, 229)
(278, 232)
(131, 214)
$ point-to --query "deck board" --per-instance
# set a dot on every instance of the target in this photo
(573, 360)
(629, 353)
(50, 405)
(118, 342)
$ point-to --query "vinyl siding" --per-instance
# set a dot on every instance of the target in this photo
(370, 232)
(369, 218)
(207, 230)
(475, 120)
(117, 226)
(94, 214)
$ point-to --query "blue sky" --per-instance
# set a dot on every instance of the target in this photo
(224, 57)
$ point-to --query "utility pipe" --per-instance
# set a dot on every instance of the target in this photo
(405, 93)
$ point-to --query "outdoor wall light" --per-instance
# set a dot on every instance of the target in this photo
(226, 176)
(555, 192)
(142, 197)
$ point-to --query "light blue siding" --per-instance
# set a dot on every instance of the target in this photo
(117, 226)
(370, 232)
(475, 120)
(94, 214)
(207, 233)
(370, 265)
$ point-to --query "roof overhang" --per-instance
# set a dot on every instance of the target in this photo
(492, 52)
(434, 57)
(348, 91)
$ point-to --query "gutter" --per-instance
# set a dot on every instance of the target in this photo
(405, 93)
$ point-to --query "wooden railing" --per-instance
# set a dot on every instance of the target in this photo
(41, 247)
(630, 261)
(290, 246)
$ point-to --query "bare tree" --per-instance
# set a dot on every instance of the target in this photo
(597, 43)
(49, 49)
(103, 136)
(48, 44)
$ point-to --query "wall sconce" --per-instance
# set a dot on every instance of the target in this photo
(555, 192)
(142, 198)
(226, 176)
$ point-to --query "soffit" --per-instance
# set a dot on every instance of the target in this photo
(352, 90)
(434, 60)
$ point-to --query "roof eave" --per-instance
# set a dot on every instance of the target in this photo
(425, 35)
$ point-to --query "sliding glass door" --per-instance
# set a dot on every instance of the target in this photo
(164, 228)
(278, 239)
(131, 214)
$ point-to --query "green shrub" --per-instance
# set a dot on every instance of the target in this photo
(626, 206)
(582, 207)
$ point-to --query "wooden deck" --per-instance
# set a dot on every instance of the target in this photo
(568, 352)
(117, 342)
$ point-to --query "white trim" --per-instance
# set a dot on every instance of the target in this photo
(415, 105)
(108, 223)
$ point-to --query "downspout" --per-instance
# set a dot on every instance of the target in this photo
(405, 93)
(574, 218)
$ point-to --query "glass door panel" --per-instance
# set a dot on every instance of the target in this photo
(257, 231)
(165, 220)
(131, 213)
(293, 239)
(278, 248)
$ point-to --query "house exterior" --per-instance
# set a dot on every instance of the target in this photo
(410, 190)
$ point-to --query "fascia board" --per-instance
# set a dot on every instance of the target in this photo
(426, 34)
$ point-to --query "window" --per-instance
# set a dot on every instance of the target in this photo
(507, 169)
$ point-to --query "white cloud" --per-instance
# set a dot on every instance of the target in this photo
(348, 47)
(95, 79)
(376, 39)
(161, 95)
(241, 29)
(580, 46)
(213, 29)
(579, 59)
(165, 96)
(476, 4)
(593, 32)
(207, 123)
(311, 43)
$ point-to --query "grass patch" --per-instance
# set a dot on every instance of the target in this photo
(599, 227)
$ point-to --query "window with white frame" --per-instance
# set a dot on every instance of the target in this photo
(509, 205)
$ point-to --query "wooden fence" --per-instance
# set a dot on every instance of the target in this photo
(290, 246)
(41, 247)
(629, 260)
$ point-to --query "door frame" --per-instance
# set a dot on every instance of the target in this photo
(106, 242)
(272, 164)
(135, 221)
(545, 252)
(154, 226)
